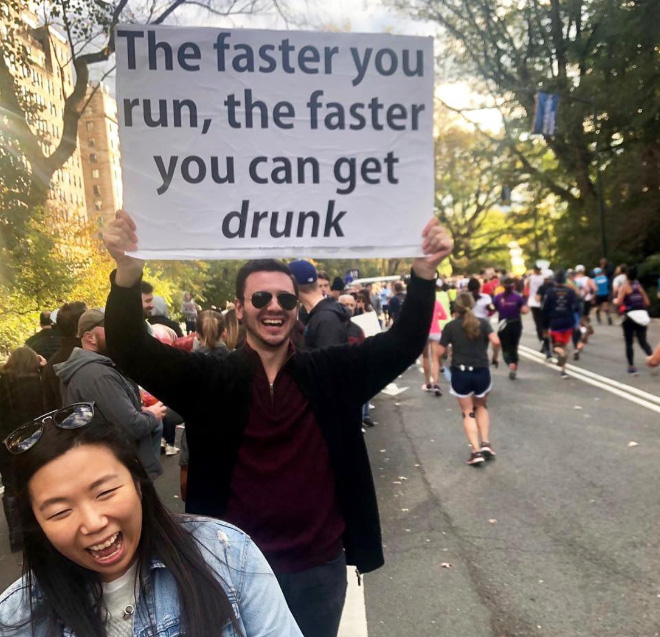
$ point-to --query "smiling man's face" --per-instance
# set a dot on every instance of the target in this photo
(268, 327)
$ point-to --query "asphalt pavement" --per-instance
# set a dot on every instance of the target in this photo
(557, 537)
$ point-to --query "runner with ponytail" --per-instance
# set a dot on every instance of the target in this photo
(469, 337)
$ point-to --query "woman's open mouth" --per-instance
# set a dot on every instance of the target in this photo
(109, 550)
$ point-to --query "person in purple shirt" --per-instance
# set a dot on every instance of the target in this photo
(510, 306)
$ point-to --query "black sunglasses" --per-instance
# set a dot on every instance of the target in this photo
(26, 436)
(286, 300)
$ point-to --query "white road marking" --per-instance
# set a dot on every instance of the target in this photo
(394, 390)
(634, 395)
(354, 617)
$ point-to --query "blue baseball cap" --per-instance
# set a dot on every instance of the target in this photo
(303, 271)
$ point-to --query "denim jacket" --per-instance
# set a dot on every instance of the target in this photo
(239, 566)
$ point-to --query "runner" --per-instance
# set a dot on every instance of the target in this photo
(510, 305)
(579, 331)
(620, 278)
(633, 298)
(602, 295)
(588, 289)
(559, 309)
(534, 282)
(483, 303)
(548, 280)
(470, 376)
(430, 355)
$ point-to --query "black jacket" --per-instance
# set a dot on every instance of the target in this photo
(20, 402)
(213, 395)
(326, 324)
(45, 342)
(50, 381)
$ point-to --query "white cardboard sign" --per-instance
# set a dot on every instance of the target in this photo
(249, 143)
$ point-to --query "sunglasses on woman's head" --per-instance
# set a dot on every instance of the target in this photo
(26, 436)
(286, 300)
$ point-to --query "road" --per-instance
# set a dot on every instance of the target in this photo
(556, 538)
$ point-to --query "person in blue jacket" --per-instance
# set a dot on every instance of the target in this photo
(603, 291)
(104, 557)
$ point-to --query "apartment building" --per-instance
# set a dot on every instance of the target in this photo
(49, 79)
(98, 134)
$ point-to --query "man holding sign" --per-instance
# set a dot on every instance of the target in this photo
(275, 436)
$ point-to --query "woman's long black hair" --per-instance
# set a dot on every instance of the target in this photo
(71, 595)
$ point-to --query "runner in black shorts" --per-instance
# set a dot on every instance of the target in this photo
(469, 337)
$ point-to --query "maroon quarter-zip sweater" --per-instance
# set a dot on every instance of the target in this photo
(282, 489)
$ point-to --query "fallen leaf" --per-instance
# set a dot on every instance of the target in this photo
(383, 450)
(446, 565)
(396, 482)
(402, 478)
(577, 407)
(405, 510)
(418, 465)
(493, 521)
(633, 444)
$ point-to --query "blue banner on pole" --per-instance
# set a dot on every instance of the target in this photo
(545, 119)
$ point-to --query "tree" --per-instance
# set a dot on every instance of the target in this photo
(88, 26)
(50, 270)
(470, 176)
(600, 56)
(43, 262)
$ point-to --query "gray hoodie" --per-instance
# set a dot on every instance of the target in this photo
(89, 376)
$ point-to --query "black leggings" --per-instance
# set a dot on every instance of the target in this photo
(171, 420)
(538, 322)
(630, 329)
(510, 337)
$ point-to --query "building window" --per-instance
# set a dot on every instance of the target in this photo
(95, 173)
(92, 158)
(97, 190)
(89, 126)
(98, 205)
(91, 142)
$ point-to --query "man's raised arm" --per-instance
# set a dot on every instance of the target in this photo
(381, 358)
(170, 374)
